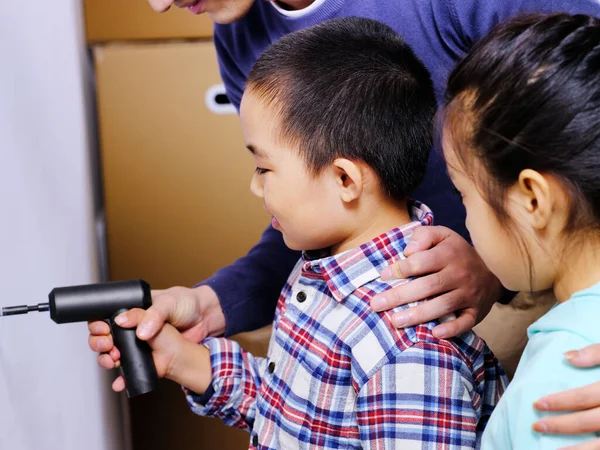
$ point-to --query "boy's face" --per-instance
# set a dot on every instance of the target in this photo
(220, 11)
(306, 208)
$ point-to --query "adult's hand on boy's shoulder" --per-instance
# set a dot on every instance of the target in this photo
(583, 404)
(451, 274)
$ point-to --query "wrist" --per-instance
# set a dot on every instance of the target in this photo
(210, 309)
(191, 367)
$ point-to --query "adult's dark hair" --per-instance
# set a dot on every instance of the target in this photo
(351, 88)
(528, 96)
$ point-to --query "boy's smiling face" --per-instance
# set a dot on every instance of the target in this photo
(305, 207)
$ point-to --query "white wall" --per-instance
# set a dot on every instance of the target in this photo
(52, 394)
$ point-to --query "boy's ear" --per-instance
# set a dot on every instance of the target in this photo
(349, 178)
(541, 198)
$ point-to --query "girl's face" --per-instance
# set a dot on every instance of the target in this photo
(505, 254)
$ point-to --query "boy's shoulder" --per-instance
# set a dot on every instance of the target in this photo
(374, 341)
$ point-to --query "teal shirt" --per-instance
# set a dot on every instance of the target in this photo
(543, 370)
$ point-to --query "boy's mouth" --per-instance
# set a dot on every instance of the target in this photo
(275, 223)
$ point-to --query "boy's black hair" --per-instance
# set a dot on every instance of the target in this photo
(351, 88)
(528, 96)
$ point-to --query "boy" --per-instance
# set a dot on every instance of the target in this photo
(338, 118)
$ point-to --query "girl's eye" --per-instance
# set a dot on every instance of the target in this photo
(260, 170)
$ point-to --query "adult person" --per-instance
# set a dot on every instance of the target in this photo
(243, 296)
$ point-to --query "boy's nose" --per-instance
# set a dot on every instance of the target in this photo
(256, 186)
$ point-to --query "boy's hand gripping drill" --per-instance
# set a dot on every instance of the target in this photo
(105, 301)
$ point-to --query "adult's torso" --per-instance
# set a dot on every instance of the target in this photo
(439, 31)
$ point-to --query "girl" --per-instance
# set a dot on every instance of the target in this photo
(521, 135)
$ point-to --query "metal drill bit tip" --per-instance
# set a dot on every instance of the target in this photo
(23, 309)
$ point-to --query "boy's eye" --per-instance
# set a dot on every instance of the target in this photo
(260, 170)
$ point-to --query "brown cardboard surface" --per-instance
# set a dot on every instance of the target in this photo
(176, 176)
(125, 20)
(178, 206)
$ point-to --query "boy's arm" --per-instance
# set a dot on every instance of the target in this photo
(236, 379)
(418, 400)
(249, 288)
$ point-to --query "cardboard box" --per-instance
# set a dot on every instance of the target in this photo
(176, 174)
(126, 20)
(176, 177)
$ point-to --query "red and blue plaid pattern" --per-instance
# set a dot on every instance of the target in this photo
(339, 375)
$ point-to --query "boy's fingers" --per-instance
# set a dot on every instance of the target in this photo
(105, 361)
(101, 344)
(578, 399)
(99, 328)
(586, 357)
(574, 423)
(115, 354)
(119, 384)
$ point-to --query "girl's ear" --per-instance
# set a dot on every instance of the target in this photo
(349, 178)
(541, 199)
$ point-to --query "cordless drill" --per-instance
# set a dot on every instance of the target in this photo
(105, 301)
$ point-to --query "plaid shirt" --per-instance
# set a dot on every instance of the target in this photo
(338, 375)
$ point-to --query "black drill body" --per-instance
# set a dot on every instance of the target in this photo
(105, 301)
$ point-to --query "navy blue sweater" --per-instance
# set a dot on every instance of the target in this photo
(439, 31)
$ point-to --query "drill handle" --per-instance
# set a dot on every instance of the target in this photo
(137, 364)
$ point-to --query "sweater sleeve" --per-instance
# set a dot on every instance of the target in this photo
(473, 19)
(248, 289)
(231, 74)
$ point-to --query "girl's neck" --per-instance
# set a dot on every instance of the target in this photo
(579, 268)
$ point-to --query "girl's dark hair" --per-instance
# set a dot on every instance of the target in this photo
(528, 96)
(351, 88)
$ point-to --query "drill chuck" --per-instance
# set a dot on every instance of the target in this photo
(23, 309)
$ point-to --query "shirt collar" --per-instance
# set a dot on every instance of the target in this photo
(347, 271)
(299, 12)
(315, 13)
